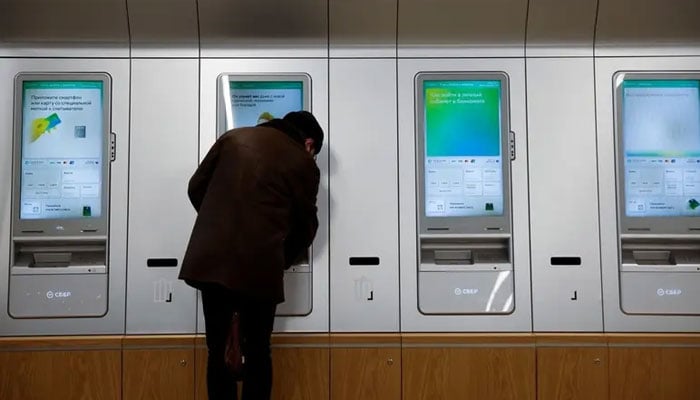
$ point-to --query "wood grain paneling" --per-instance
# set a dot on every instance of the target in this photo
(67, 343)
(478, 339)
(300, 373)
(572, 373)
(366, 373)
(659, 339)
(654, 373)
(364, 339)
(448, 373)
(158, 368)
(70, 374)
(354, 366)
(200, 369)
(300, 367)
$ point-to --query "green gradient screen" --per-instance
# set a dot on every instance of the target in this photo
(462, 118)
(463, 161)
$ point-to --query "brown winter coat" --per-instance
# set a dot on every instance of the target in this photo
(255, 194)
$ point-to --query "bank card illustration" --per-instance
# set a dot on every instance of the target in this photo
(265, 117)
(41, 126)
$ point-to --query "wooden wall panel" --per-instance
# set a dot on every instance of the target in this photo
(448, 373)
(300, 373)
(366, 373)
(200, 369)
(354, 366)
(365, 366)
(159, 374)
(300, 367)
(572, 373)
(41, 369)
(655, 373)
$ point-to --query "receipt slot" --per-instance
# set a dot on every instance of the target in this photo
(249, 100)
(657, 131)
(463, 152)
(60, 195)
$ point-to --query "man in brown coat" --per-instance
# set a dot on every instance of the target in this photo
(255, 195)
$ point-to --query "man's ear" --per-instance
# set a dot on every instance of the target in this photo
(309, 146)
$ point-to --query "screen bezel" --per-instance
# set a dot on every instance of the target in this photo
(225, 112)
(467, 224)
(83, 226)
(643, 225)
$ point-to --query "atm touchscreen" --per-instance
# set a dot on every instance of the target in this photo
(462, 142)
(252, 100)
(661, 147)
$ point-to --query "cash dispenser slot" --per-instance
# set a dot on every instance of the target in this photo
(465, 253)
(453, 257)
(660, 254)
(302, 263)
(653, 257)
(63, 256)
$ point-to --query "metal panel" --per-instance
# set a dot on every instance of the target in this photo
(458, 28)
(560, 28)
(113, 322)
(563, 194)
(648, 27)
(163, 28)
(480, 292)
(614, 319)
(164, 125)
(318, 71)
(364, 214)
(357, 32)
(660, 293)
(263, 28)
(411, 318)
(78, 296)
(79, 28)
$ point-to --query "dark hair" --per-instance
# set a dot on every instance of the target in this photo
(307, 125)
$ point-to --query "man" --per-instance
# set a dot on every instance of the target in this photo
(255, 195)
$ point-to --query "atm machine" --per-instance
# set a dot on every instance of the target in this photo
(63, 276)
(62, 151)
(464, 265)
(245, 92)
(463, 154)
(249, 100)
(657, 138)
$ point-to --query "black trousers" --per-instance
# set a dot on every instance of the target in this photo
(256, 320)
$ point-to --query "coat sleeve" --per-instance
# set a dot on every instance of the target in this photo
(304, 218)
(197, 188)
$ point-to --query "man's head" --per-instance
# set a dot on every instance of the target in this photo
(307, 125)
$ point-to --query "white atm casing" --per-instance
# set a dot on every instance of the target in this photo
(623, 289)
(306, 291)
(111, 318)
(412, 318)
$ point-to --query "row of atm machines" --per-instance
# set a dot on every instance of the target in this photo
(465, 268)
